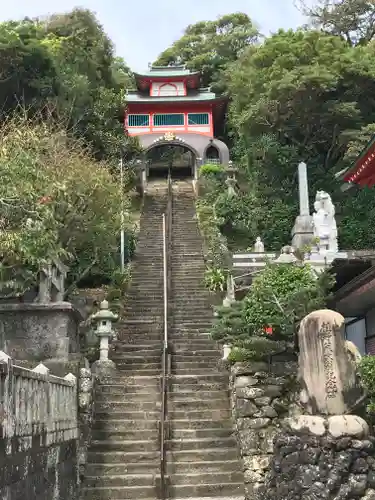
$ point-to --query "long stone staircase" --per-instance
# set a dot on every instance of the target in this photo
(202, 456)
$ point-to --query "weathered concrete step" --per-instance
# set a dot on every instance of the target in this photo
(206, 467)
(128, 391)
(126, 405)
(199, 379)
(215, 433)
(127, 415)
(146, 480)
(130, 380)
(189, 364)
(206, 490)
(122, 425)
(204, 477)
(120, 493)
(215, 414)
(185, 353)
(203, 386)
(121, 457)
(122, 469)
(124, 446)
(206, 455)
(145, 361)
(118, 396)
(125, 435)
(201, 395)
(201, 444)
(146, 372)
(137, 350)
(193, 371)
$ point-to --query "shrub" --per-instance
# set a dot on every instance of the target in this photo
(367, 373)
(55, 201)
(266, 320)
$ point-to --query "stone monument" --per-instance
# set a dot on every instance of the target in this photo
(327, 374)
(259, 245)
(327, 453)
(302, 233)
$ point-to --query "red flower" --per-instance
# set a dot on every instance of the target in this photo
(268, 330)
(44, 200)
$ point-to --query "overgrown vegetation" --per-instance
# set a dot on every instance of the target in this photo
(56, 200)
(266, 320)
(367, 373)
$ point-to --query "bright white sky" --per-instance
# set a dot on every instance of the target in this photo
(141, 29)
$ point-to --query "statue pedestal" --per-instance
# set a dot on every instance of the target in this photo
(302, 232)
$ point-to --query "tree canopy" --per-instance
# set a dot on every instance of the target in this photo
(65, 66)
(210, 46)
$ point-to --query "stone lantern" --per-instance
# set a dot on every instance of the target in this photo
(231, 180)
(104, 319)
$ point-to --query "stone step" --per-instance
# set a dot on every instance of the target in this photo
(201, 444)
(199, 394)
(214, 433)
(125, 480)
(146, 372)
(202, 363)
(99, 469)
(193, 371)
(201, 424)
(207, 455)
(125, 446)
(127, 415)
(203, 386)
(118, 396)
(215, 414)
(126, 435)
(206, 477)
(122, 425)
(136, 381)
(137, 350)
(198, 467)
(120, 493)
(120, 457)
(193, 404)
(126, 406)
(200, 491)
(136, 359)
(198, 357)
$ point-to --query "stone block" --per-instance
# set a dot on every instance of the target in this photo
(245, 408)
(347, 425)
(37, 332)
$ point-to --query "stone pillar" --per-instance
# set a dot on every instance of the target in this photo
(302, 232)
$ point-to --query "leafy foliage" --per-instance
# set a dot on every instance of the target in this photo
(210, 46)
(367, 373)
(354, 20)
(55, 200)
(65, 66)
(266, 320)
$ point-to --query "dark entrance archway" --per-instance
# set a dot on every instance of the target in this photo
(177, 159)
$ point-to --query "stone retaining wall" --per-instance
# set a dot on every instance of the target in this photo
(39, 434)
(322, 459)
(262, 395)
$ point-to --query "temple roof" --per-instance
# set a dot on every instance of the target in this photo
(362, 172)
(166, 72)
(134, 96)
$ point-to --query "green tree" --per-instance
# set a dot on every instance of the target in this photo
(55, 201)
(267, 319)
(354, 20)
(65, 65)
(210, 46)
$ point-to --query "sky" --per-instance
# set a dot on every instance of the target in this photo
(141, 29)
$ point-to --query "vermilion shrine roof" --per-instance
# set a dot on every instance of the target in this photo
(363, 170)
(167, 73)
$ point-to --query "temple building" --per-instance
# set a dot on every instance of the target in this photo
(354, 296)
(362, 172)
(169, 108)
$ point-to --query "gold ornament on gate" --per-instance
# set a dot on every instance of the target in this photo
(169, 136)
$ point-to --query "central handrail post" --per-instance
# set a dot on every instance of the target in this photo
(165, 283)
(166, 356)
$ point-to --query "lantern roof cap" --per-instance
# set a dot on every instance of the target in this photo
(105, 313)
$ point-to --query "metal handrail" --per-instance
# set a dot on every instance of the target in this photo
(166, 356)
